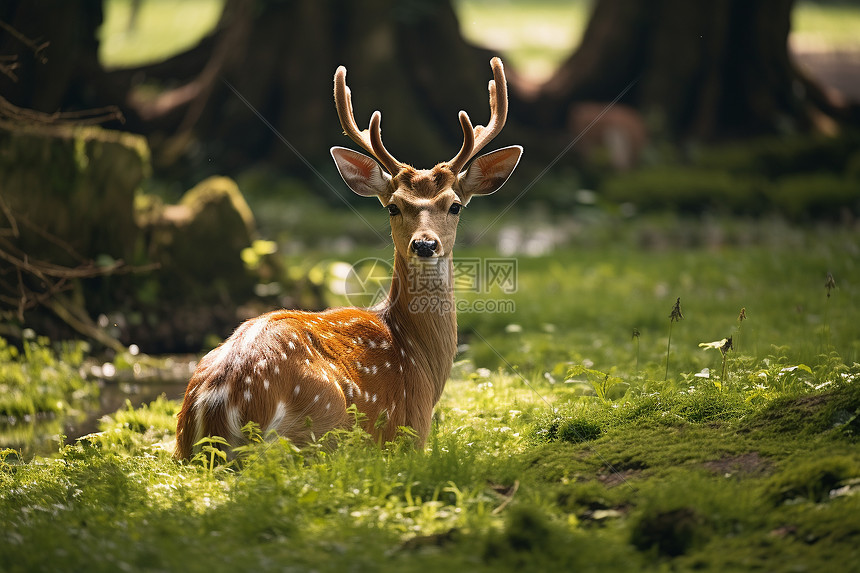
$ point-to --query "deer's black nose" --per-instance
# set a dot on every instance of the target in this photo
(424, 248)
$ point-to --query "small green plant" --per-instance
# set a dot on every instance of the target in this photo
(636, 335)
(674, 317)
(742, 316)
(829, 285)
(211, 448)
(723, 346)
(602, 382)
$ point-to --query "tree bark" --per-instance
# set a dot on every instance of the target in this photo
(271, 61)
(701, 71)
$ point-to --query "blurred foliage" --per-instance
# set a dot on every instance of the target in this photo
(802, 178)
(40, 380)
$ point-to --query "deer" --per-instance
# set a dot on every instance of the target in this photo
(297, 373)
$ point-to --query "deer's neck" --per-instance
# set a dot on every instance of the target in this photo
(422, 318)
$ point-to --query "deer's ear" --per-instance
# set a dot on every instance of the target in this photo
(361, 173)
(489, 172)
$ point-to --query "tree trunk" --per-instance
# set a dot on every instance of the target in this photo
(699, 71)
(406, 59)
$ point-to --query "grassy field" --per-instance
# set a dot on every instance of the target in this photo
(582, 428)
(559, 441)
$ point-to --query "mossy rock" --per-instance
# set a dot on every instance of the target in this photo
(200, 279)
(76, 184)
(198, 243)
(71, 196)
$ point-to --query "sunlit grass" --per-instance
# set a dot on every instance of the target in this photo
(574, 477)
(829, 26)
(533, 37)
(536, 37)
(160, 29)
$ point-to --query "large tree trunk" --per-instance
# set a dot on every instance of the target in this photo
(408, 60)
(700, 71)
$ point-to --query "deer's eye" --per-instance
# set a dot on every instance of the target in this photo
(455, 209)
(393, 209)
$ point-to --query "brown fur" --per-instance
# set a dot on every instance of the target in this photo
(296, 373)
(425, 183)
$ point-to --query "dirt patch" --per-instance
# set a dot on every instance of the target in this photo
(747, 464)
(618, 477)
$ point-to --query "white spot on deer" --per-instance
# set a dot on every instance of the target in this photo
(234, 426)
(412, 360)
(387, 364)
(277, 369)
(292, 346)
(391, 408)
(349, 392)
(401, 368)
(402, 353)
(261, 364)
(373, 398)
(360, 340)
(373, 369)
(277, 418)
(316, 398)
(332, 366)
(366, 395)
(358, 363)
(247, 395)
(297, 389)
(371, 343)
(211, 398)
(308, 349)
(307, 361)
(198, 425)
(295, 336)
(328, 406)
(249, 338)
(247, 379)
(384, 344)
(266, 384)
(284, 354)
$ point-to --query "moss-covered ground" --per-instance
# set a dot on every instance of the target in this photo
(560, 441)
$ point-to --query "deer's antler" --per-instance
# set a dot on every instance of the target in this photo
(370, 139)
(475, 138)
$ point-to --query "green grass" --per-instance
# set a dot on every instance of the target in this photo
(533, 37)
(549, 448)
(826, 25)
(161, 29)
(40, 388)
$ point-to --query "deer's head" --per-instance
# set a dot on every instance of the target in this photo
(425, 204)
